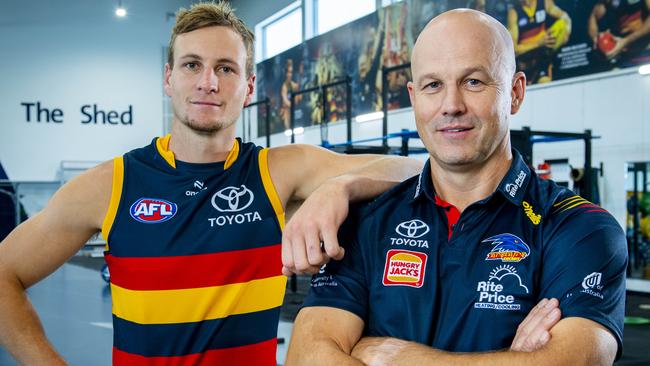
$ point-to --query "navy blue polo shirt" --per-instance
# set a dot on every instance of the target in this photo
(406, 277)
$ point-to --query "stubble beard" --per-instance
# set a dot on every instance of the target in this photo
(205, 129)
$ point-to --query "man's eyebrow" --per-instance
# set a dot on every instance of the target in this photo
(222, 60)
(473, 69)
(427, 76)
(466, 71)
(192, 56)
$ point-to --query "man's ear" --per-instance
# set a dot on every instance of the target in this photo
(166, 82)
(518, 92)
(250, 89)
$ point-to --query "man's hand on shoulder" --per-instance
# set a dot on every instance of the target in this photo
(327, 182)
(310, 238)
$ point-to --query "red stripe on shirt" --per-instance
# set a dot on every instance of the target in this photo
(192, 271)
(452, 215)
(531, 33)
(262, 354)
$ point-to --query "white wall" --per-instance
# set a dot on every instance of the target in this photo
(69, 54)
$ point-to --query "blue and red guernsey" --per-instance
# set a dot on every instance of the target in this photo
(531, 22)
(417, 269)
(194, 256)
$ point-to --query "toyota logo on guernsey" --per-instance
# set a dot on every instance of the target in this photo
(232, 199)
(152, 210)
(412, 230)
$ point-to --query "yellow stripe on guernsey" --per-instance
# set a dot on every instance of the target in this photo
(162, 145)
(194, 305)
(116, 194)
(570, 203)
(232, 155)
(269, 187)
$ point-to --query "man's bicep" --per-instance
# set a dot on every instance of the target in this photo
(584, 268)
(44, 242)
(297, 170)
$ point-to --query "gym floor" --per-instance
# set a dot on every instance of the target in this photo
(75, 307)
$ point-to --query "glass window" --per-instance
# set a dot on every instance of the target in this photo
(334, 13)
(282, 33)
(389, 2)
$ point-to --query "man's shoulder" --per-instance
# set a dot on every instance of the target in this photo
(142, 151)
(561, 207)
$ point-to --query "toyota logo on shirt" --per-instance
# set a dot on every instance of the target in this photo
(412, 229)
(232, 199)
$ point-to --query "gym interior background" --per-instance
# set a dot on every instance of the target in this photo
(82, 84)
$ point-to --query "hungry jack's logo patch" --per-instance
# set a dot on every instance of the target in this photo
(404, 268)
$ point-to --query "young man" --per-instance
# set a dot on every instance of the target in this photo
(453, 260)
(193, 221)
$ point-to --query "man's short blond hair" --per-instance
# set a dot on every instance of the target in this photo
(204, 15)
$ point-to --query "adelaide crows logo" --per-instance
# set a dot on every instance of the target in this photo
(507, 248)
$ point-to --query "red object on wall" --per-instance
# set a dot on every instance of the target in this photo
(544, 170)
(606, 42)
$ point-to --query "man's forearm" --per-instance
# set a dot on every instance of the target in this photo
(377, 176)
(574, 341)
(320, 353)
(21, 333)
(643, 31)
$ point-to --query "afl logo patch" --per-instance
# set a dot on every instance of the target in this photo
(404, 268)
(152, 210)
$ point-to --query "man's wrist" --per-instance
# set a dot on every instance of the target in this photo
(342, 186)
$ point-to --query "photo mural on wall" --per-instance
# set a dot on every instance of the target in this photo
(554, 40)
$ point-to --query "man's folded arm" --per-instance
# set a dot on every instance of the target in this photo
(574, 341)
(324, 336)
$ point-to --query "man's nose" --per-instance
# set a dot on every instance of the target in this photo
(453, 103)
(209, 82)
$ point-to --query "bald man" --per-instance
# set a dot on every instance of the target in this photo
(447, 267)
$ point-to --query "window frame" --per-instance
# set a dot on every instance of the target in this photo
(261, 49)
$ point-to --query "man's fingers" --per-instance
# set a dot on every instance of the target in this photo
(287, 271)
(527, 326)
(331, 244)
(533, 332)
(523, 326)
(287, 256)
(314, 253)
(299, 251)
(541, 335)
(340, 255)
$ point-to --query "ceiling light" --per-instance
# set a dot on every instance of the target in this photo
(120, 11)
(644, 70)
(369, 117)
(296, 131)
